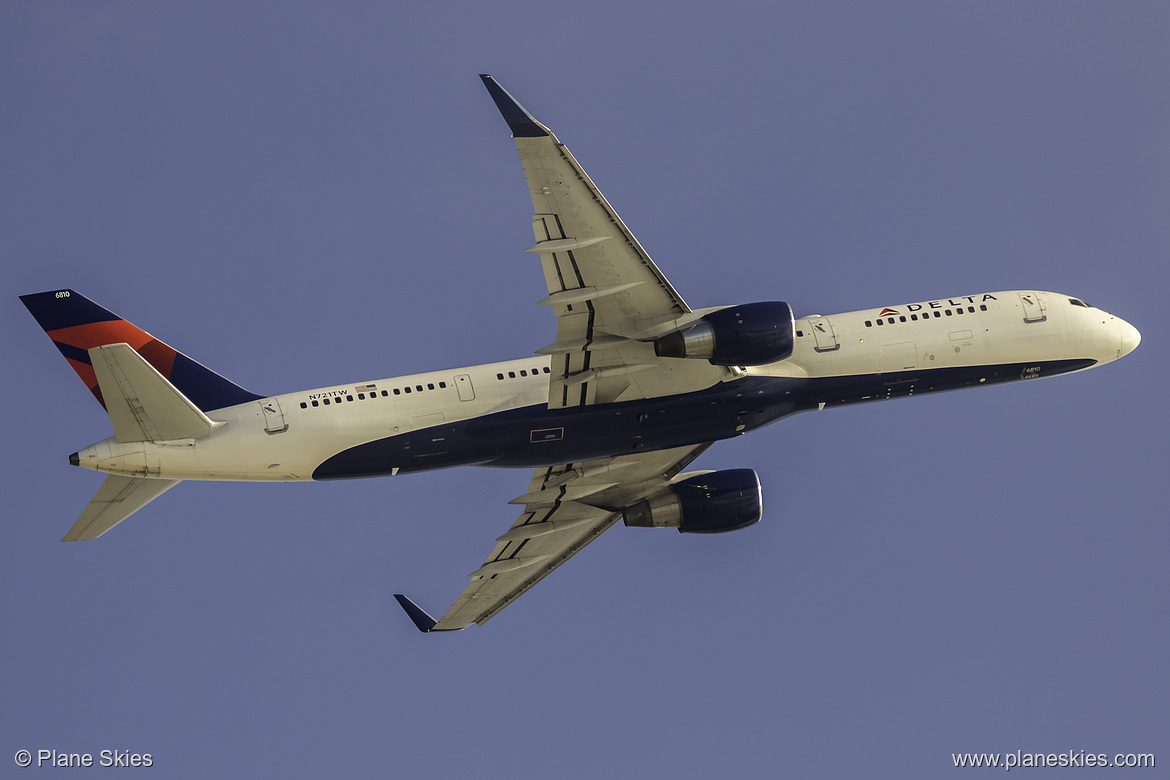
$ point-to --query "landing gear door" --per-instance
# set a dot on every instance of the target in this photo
(273, 416)
(1033, 307)
(823, 333)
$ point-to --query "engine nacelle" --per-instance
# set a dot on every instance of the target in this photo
(748, 335)
(703, 504)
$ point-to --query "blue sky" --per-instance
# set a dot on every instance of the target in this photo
(298, 196)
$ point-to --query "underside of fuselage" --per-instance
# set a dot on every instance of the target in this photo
(536, 436)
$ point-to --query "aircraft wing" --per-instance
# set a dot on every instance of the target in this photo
(609, 297)
(565, 508)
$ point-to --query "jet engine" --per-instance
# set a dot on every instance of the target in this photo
(708, 503)
(748, 335)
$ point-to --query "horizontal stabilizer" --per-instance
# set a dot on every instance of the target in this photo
(143, 406)
(117, 498)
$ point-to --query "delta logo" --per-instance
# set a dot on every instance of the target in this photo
(916, 307)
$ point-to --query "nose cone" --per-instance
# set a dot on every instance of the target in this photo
(1130, 337)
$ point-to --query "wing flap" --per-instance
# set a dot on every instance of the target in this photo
(553, 528)
(489, 593)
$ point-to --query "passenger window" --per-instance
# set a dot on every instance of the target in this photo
(304, 405)
(868, 324)
(361, 396)
(546, 370)
(314, 403)
(511, 374)
(914, 317)
(326, 401)
(418, 388)
(902, 319)
(349, 398)
(430, 386)
(523, 372)
(499, 376)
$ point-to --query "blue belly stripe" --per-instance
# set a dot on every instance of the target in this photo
(536, 436)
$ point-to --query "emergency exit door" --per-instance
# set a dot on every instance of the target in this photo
(273, 416)
(823, 333)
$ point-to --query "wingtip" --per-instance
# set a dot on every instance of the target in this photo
(422, 621)
(520, 122)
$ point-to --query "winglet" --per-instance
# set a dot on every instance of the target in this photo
(422, 620)
(522, 123)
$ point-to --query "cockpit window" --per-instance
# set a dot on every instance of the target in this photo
(1076, 302)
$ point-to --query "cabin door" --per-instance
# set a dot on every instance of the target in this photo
(463, 385)
(1033, 307)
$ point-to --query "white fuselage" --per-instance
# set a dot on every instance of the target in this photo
(287, 437)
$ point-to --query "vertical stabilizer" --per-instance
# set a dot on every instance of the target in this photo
(76, 325)
(117, 498)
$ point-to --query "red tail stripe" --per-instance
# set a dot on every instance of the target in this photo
(85, 371)
(159, 355)
(96, 334)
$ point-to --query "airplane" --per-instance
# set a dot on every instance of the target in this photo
(632, 388)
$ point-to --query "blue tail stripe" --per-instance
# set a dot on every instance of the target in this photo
(73, 353)
(205, 388)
